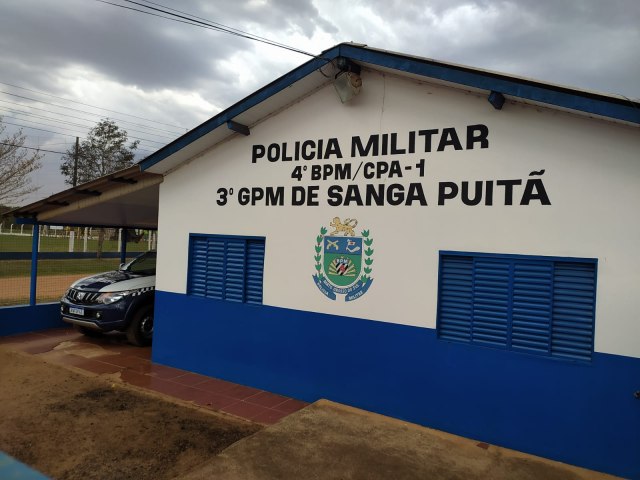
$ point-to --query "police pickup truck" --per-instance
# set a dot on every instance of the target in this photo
(119, 300)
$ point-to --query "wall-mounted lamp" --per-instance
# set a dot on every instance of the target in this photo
(347, 81)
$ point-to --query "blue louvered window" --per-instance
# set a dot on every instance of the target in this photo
(540, 305)
(226, 268)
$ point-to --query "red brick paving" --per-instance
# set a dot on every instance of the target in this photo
(166, 373)
(241, 392)
(245, 410)
(135, 368)
(216, 385)
(269, 417)
(190, 379)
(290, 406)
(96, 366)
(266, 399)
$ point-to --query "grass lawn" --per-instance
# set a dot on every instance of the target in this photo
(22, 268)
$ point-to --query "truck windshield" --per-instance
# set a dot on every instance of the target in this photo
(144, 264)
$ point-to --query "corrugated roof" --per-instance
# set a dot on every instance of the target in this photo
(126, 198)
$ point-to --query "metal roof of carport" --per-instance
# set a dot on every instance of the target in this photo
(308, 77)
(126, 198)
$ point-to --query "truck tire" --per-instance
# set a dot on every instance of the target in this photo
(140, 330)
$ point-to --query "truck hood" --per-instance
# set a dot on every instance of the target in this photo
(114, 281)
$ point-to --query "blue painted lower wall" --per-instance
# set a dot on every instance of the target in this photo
(26, 318)
(582, 414)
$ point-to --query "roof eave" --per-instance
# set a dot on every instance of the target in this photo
(527, 89)
(565, 98)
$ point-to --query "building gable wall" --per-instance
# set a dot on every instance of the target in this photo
(590, 174)
(573, 184)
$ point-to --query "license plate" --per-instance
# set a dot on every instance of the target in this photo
(76, 311)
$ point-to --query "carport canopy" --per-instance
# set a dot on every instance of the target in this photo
(126, 198)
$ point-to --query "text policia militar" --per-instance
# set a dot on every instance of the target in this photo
(395, 181)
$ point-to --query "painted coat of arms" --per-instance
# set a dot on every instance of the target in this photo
(343, 260)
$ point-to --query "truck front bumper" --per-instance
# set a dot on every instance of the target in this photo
(98, 317)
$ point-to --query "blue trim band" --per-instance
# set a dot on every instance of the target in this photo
(594, 103)
(583, 414)
(30, 318)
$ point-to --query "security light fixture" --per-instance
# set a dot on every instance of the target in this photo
(347, 81)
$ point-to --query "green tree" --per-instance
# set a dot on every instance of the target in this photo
(16, 165)
(104, 151)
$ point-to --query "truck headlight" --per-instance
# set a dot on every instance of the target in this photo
(112, 297)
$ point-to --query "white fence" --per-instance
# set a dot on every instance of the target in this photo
(73, 233)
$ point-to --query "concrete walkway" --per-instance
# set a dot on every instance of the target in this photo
(331, 441)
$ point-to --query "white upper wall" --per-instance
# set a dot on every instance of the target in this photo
(591, 174)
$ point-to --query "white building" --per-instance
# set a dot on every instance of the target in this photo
(418, 251)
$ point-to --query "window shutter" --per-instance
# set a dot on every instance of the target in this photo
(255, 271)
(226, 268)
(197, 284)
(535, 305)
(215, 268)
(235, 271)
(456, 298)
(574, 296)
(532, 298)
(491, 301)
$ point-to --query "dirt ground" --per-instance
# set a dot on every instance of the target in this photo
(49, 287)
(71, 426)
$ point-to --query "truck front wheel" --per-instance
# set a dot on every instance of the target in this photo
(140, 330)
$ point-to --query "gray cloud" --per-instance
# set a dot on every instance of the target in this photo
(277, 15)
(131, 48)
(584, 44)
(589, 44)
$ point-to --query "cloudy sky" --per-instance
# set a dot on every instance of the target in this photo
(158, 78)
